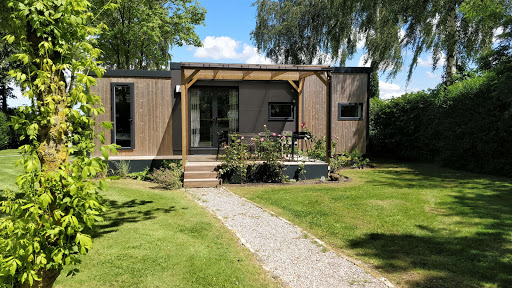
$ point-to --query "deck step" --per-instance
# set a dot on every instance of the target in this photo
(200, 183)
(200, 174)
(200, 167)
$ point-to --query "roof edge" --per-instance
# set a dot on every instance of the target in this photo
(137, 73)
(352, 70)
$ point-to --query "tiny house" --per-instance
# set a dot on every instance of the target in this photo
(180, 113)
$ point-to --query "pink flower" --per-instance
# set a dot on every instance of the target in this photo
(261, 139)
(225, 146)
(252, 139)
(336, 136)
(273, 134)
(264, 126)
(242, 137)
(279, 135)
(303, 124)
(282, 137)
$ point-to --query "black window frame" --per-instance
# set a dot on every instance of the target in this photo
(359, 118)
(286, 119)
(113, 85)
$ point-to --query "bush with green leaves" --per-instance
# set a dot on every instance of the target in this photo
(352, 159)
(467, 125)
(141, 175)
(234, 162)
(5, 132)
(169, 176)
(271, 153)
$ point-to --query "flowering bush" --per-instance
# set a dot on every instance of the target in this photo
(234, 163)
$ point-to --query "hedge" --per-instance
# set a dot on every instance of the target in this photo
(466, 126)
(5, 132)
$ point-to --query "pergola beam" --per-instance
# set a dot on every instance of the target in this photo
(293, 85)
(276, 74)
(191, 76)
(246, 74)
(326, 82)
(215, 74)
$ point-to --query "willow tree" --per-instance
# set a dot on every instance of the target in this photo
(387, 28)
(141, 32)
(44, 227)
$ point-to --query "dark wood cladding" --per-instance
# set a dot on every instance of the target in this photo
(315, 101)
(346, 88)
(350, 88)
(153, 107)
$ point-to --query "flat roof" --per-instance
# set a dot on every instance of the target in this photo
(232, 67)
(225, 66)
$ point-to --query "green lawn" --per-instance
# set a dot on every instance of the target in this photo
(157, 238)
(8, 172)
(418, 224)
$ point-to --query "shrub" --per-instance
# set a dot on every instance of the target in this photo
(353, 159)
(122, 168)
(5, 132)
(234, 163)
(465, 126)
(142, 175)
(170, 177)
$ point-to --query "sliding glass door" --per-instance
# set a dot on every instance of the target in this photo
(213, 111)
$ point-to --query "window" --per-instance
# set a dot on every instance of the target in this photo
(122, 115)
(350, 111)
(281, 111)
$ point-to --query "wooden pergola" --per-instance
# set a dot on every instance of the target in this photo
(294, 74)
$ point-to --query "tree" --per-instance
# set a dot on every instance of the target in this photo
(45, 226)
(386, 27)
(6, 51)
(141, 32)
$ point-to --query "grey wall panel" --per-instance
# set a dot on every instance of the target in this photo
(253, 106)
(254, 98)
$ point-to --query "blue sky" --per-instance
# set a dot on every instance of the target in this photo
(226, 39)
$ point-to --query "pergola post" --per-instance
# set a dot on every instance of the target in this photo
(328, 119)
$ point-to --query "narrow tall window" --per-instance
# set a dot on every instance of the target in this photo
(122, 115)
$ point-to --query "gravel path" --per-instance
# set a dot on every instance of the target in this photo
(282, 247)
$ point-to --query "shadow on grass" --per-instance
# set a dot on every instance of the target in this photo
(482, 204)
(131, 211)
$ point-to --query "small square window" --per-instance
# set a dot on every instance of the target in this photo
(350, 111)
(281, 111)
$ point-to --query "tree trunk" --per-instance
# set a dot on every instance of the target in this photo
(48, 278)
(53, 149)
(451, 61)
(3, 94)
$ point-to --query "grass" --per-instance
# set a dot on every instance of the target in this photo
(157, 238)
(8, 172)
(418, 224)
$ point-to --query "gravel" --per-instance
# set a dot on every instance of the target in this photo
(295, 257)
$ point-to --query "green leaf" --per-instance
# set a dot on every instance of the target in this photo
(104, 152)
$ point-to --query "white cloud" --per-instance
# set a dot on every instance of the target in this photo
(429, 61)
(228, 48)
(389, 90)
(361, 41)
(20, 99)
(217, 48)
(432, 75)
(363, 59)
(497, 32)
